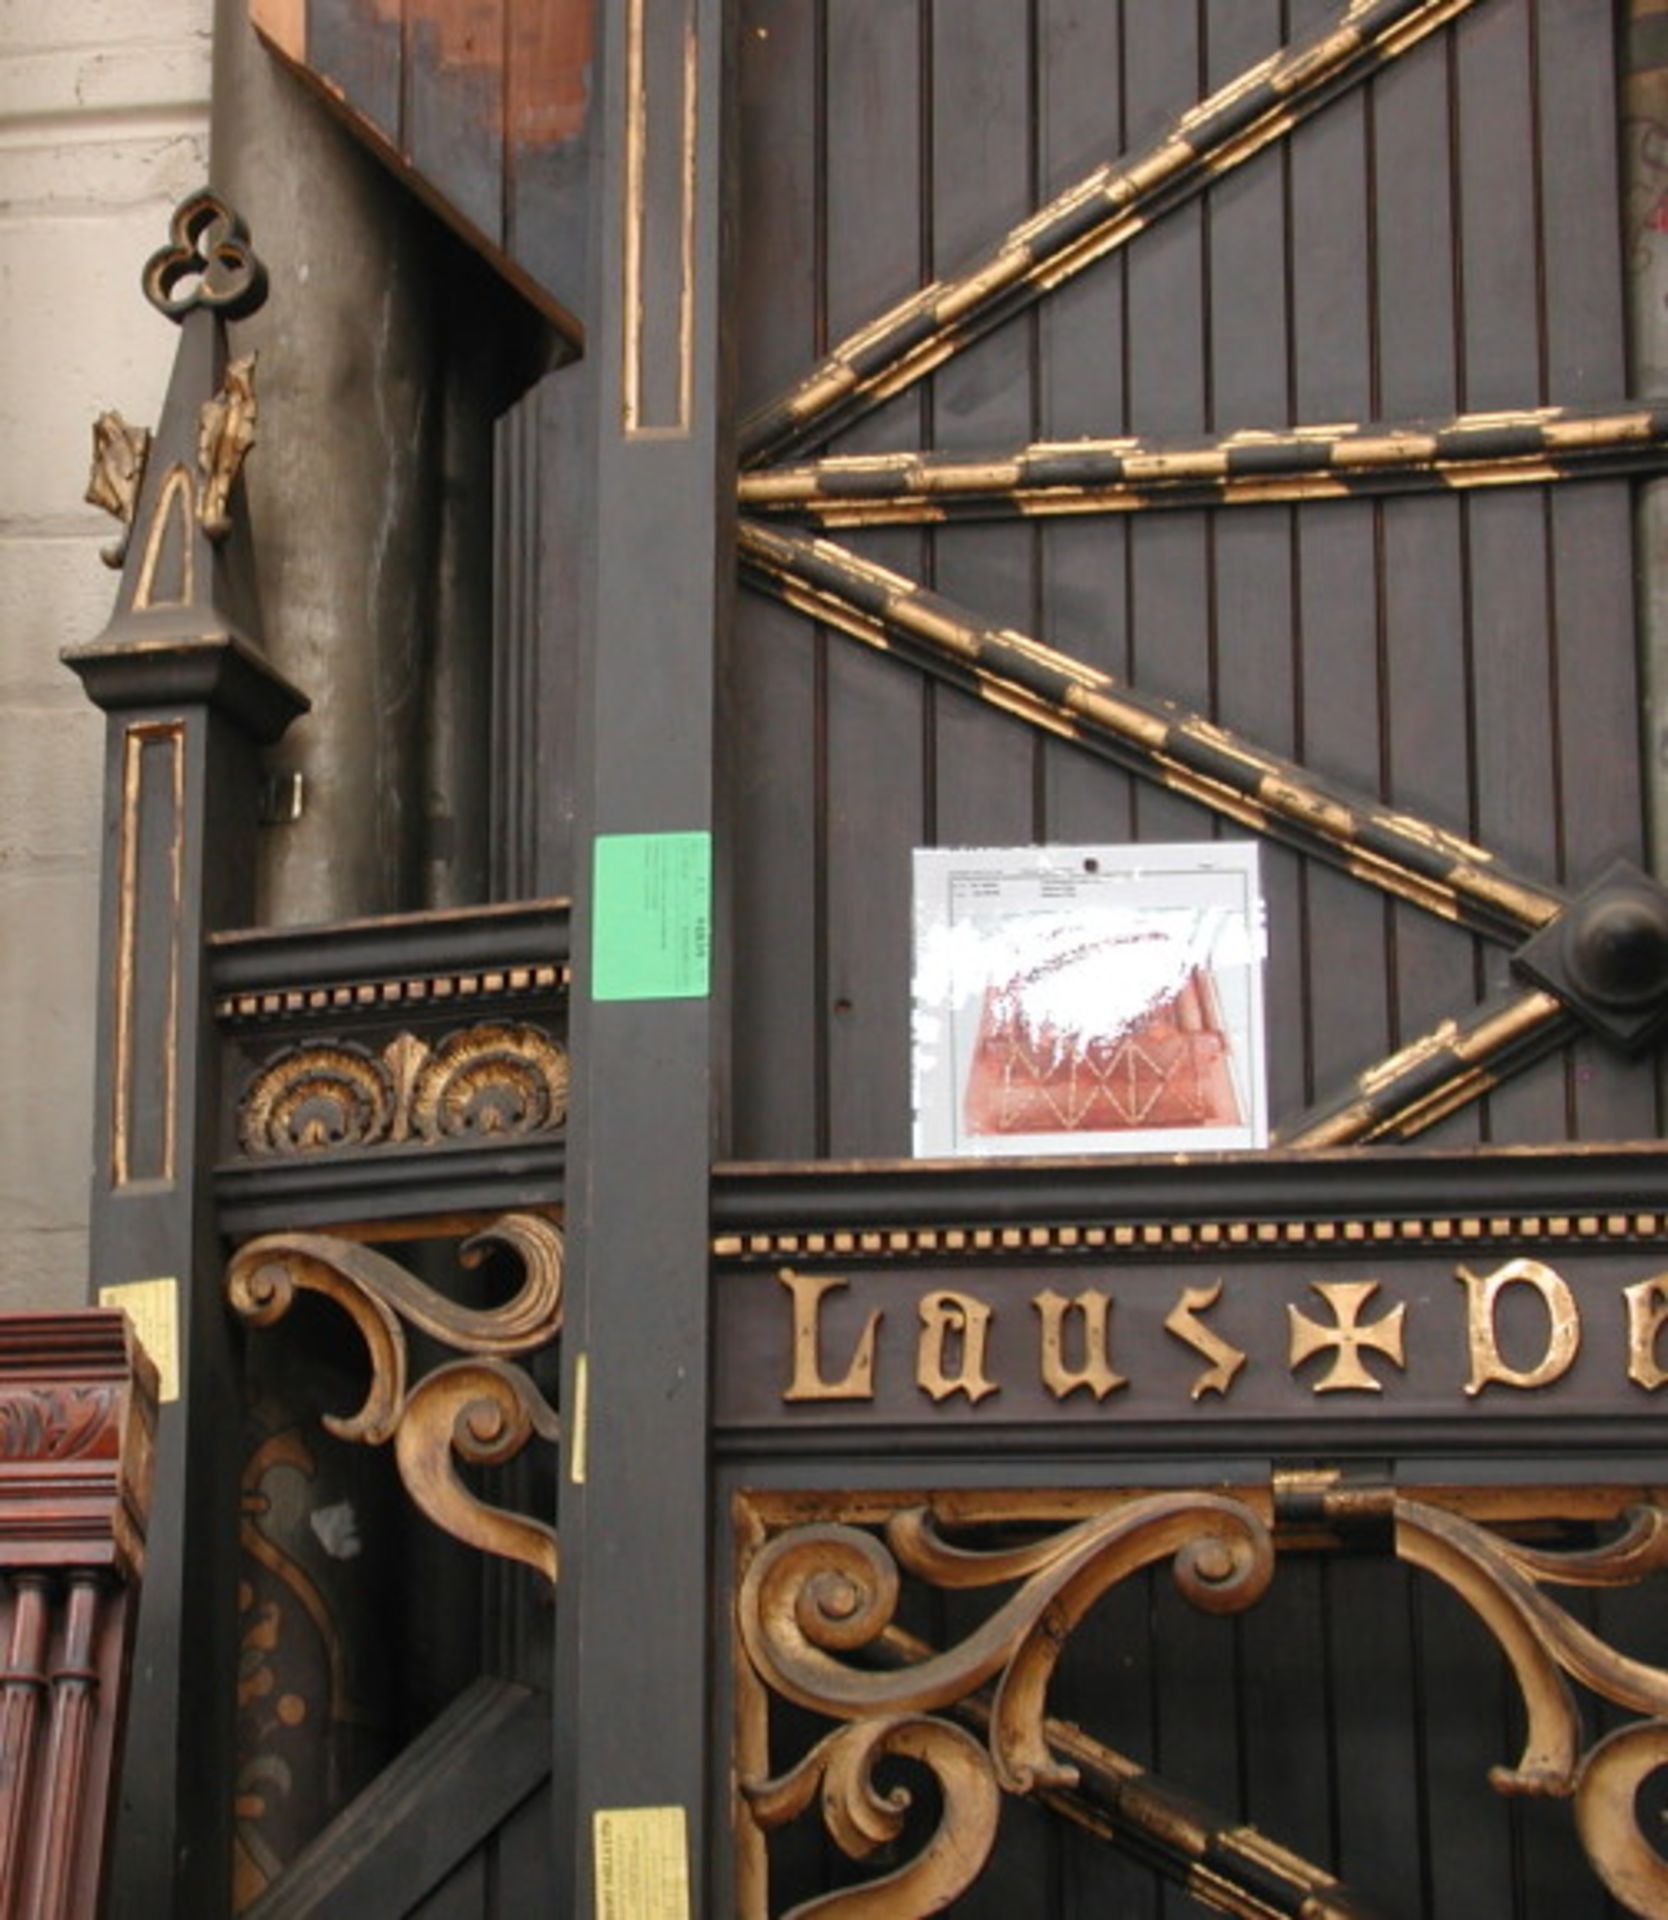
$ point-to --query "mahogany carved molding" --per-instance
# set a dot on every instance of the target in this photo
(77, 1448)
(480, 1408)
(820, 1600)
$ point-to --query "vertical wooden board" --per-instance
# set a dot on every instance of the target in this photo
(1249, 551)
(1413, 237)
(877, 794)
(776, 308)
(776, 653)
(1600, 745)
(1576, 89)
(1375, 1691)
(1428, 752)
(1170, 612)
(1083, 566)
(1593, 613)
(357, 46)
(1517, 771)
(1197, 1741)
(981, 186)
(1465, 1732)
(1245, 233)
(1335, 561)
(1347, 985)
(1105, 1684)
(1501, 320)
(1253, 590)
(453, 130)
(772, 821)
(1285, 1696)
(549, 52)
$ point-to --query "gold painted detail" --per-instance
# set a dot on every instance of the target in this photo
(1647, 1310)
(823, 1580)
(1347, 1336)
(118, 472)
(153, 1307)
(1184, 1322)
(885, 1242)
(225, 433)
(817, 1606)
(486, 1081)
(480, 1408)
(1563, 1340)
(420, 990)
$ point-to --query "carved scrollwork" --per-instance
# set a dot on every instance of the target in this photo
(482, 1408)
(485, 1413)
(812, 1596)
(491, 1079)
(817, 1616)
(863, 1819)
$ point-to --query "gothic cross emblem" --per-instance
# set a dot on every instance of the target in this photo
(1346, 1337)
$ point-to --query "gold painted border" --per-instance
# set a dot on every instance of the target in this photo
(1174, 1236)
(419, 990)
(178, 495)
(633, 424)
(171, 734)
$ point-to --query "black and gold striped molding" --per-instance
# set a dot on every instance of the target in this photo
(1158, 738)
(1435, 1075)
(1100, 214)
(1248, 468)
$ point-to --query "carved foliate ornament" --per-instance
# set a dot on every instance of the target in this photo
(225, 433)
(492, 1079)
(118, 471)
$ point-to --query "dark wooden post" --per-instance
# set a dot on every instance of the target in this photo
(189, 699)
(636, 1643)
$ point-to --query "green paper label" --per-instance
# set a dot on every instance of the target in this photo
(651, 924)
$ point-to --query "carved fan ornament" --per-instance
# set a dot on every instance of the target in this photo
(487, 1080)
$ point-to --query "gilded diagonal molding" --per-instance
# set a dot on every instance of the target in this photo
(1156, 738)
(1255, 466)
(1090, 220)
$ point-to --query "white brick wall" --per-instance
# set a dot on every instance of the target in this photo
(103, 126)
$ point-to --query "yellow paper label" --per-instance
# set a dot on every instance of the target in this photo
(642, 1863)
(154, 1308)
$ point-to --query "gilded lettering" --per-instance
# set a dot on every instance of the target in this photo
(954, 1326)
(1483, 1293)
(1647, 1309)
(1184, 1322)
(1096, 1375)
(1346, 1337)
(809, 1383)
